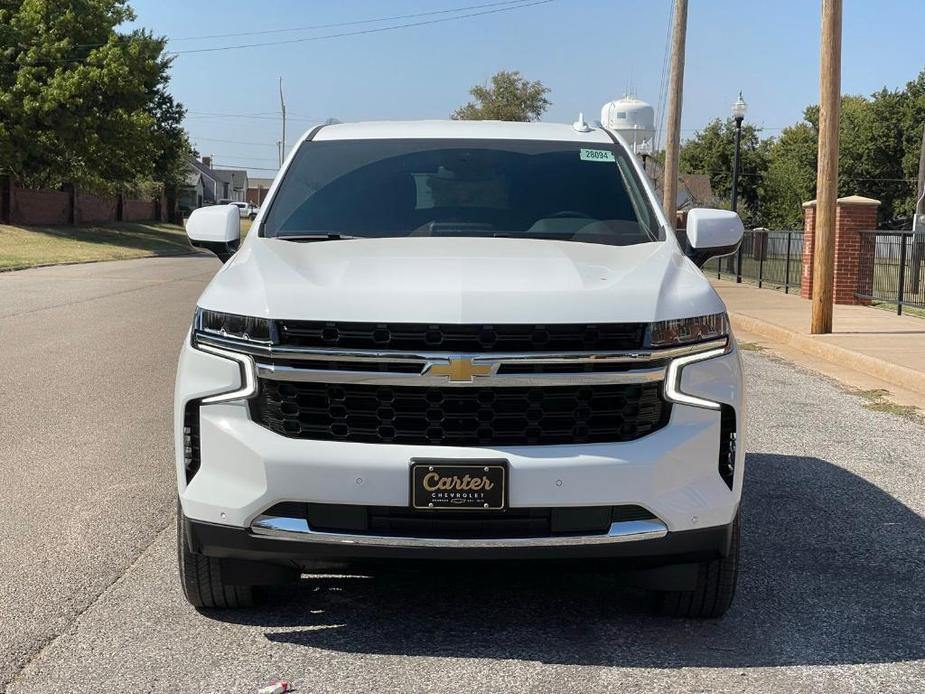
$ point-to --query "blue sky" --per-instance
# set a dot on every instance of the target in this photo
(586, 51)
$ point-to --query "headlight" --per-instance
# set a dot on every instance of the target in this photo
(234, 326)
(684, 331)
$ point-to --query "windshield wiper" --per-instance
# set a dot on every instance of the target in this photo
(317, 237)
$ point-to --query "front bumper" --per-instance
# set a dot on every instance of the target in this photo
(246, 469)
(642, 547)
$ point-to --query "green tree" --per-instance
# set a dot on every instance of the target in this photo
(82, 103)
(791, 176)
(879, 140)
(508, 97)
(711, 152)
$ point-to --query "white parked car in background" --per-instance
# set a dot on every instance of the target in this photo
(461, 341)
(246, 210)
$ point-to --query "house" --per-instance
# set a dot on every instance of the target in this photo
(200, 186)
(231, 184)
(694, 190)
(190, 192)
(257, 190)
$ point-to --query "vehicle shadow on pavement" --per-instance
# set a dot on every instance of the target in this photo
(832, 572)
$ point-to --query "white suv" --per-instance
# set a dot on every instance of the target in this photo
(461, 341)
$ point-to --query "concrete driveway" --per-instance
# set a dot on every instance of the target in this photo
(829, 597)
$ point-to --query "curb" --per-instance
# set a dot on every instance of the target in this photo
(872, 366)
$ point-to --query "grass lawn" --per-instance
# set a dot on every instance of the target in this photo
(22, 247)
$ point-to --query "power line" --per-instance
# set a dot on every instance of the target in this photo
(272, 115)
(520, 4)
(233, 142)
(363, 31)
(662, 84)
(245, 166)
(250, 158)
(343, 24)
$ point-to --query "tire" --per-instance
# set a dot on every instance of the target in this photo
(201, 577)
(252, 216)
(716, 585)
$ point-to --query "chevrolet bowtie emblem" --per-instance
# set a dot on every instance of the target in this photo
(460, 370)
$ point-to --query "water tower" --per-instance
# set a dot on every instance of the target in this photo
(633, 118)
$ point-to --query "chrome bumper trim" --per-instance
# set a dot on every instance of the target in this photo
(380, 378)
(298, 529)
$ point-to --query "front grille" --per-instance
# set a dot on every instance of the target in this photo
(462, 338)
(468, 416)
(393, 521)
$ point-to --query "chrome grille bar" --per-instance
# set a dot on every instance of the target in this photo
(642, 366)
(384, 378)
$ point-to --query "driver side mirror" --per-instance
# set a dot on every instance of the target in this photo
(712, 233)
(217, 229)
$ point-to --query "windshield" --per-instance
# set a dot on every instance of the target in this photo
(496, 188)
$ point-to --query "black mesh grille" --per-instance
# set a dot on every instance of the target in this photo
(191, 454)
(727, 444)
(461, 416)
(462, 338)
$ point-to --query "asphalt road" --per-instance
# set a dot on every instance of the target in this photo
(830, 595)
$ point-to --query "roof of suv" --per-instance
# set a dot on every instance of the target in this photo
(460, 129)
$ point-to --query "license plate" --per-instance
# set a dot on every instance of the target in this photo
(444, 486)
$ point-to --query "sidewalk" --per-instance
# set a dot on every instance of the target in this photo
(874, 342)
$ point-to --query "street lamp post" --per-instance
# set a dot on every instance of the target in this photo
(738, 113)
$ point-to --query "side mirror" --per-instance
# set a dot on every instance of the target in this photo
(712, 233)
(217, 229)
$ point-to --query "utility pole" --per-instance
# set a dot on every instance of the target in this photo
(282, 104)
(673, 127)
(827, 167)
(279, 152)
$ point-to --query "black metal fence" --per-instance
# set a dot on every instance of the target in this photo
(771, 259)
(891, 269)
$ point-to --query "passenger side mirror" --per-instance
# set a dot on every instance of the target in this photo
(217, 229)
(712, 233)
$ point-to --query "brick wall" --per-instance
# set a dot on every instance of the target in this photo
(92, 208)
(854, 254)
(139, 210)
(40, 206)
(58, 207)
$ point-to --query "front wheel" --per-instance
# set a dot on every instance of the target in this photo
(201, 577)
(716, 585)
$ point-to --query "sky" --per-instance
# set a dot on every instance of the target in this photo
(586, 51)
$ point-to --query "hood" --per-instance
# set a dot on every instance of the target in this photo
(460, 280)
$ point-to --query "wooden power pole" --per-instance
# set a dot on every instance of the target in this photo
(673, 127)
(827, 167)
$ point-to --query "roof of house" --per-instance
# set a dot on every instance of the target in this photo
(259, 182)
(203, 169)
(236, 177)
(698, 185)
(191, 178)
(460, 129)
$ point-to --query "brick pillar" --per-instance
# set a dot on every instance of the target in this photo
(809, 237)
(854, 254)
(854, 257)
